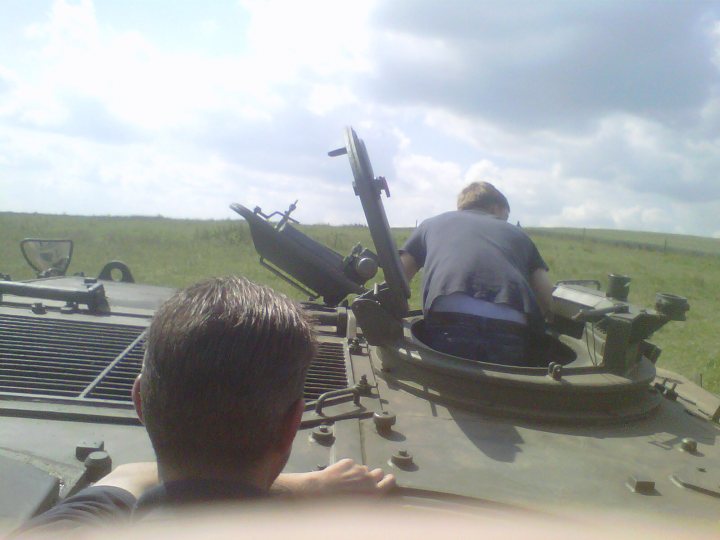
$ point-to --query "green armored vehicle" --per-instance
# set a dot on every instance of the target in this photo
(591, 424)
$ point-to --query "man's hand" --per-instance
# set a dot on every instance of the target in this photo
(343, 477)
(346, 476)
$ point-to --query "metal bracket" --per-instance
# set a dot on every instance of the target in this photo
(345, 392)
(583, 282)
(92, 294)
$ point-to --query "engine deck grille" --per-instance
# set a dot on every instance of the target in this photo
(50, 359)
(327, 371)
(62, 359)
(117, 383)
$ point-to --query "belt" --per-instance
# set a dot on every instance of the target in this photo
(482, 323)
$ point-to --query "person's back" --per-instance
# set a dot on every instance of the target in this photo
(472, 252)
(485, 284)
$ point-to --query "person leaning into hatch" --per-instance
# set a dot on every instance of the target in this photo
(486, 288)
(220, 394)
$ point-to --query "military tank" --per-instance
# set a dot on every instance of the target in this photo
(591, 424)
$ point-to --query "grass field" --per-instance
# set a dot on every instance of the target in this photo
(178, 252)
(648, 240)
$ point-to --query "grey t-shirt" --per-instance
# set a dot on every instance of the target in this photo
(472, 252)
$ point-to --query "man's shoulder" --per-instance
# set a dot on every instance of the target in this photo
(471, 221)
(442, 218)
(96, 505)
(468, 218)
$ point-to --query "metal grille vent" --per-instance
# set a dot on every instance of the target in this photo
(63, 359)
(117, 383)
(327, 371)
(86, 361)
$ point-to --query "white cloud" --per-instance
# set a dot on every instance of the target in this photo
(326, 97)
(326, 37)
(482, 171)
(627, 136)
(422, 187)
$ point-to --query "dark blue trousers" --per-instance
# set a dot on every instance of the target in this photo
(478, 338)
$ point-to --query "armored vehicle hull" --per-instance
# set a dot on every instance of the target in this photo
(590, 424)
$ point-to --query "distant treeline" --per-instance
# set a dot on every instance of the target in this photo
(664, 246)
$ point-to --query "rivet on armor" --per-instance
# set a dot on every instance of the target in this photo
(363, 386)
(555, 370)
(402, 459)
(323, 434)
(688, 445)
(384, 420)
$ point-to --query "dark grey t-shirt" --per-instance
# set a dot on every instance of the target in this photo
(108, 505)
(474, 253)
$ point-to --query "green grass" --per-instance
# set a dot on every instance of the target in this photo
(690, 347)
(179, 252)
(657, 241)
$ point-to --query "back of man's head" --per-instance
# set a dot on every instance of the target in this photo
(225, 361)
(482, 196)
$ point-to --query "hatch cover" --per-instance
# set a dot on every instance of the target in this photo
(700, 479)
(368, 188)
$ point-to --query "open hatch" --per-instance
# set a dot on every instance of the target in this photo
(594, 362)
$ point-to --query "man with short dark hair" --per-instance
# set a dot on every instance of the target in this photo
(221, 397)
(222, 381)
(485, 288)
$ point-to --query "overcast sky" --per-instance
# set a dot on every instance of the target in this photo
(585, 113)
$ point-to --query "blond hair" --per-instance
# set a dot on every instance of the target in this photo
(481, 196)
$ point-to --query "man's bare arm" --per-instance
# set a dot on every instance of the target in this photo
(543, 288)
(409, 265)
(133, 477)
(342, 477)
